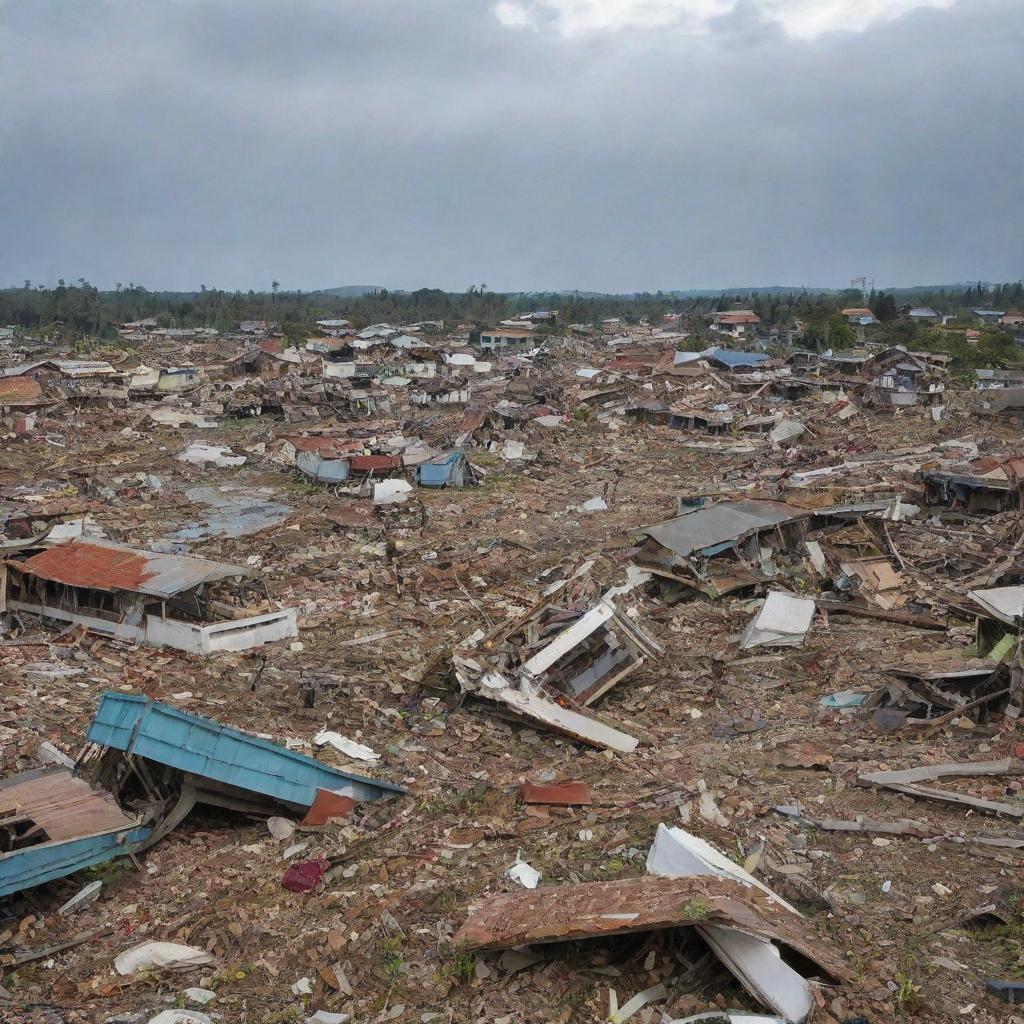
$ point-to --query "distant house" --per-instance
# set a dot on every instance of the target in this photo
(924, 315)
(1014, 318)
(138, 326)
(334, 328)
(859, 316)
(738, 323)
(505, 339)
(989, 316)
(257, 328)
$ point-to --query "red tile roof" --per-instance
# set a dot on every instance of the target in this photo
(737, 318)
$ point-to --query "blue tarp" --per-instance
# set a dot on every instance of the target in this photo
(443, 471)
(217, 752)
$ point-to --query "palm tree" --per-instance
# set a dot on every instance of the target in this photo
(274, 285)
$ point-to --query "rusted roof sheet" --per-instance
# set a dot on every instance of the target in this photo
(19, 390)
(100, 565)
(562, 913)
(61, 804)
(324, 446)
(374, 463)
(566, 794)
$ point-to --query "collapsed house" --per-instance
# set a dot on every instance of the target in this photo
(691, 888)
(722, 546)
(971, 682)
(148, 764)
(984, 485)
(191, 604)
(558, 658)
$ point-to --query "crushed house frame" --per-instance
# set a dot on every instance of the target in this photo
(192, 604)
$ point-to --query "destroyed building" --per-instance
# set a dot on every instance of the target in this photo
(178, 601)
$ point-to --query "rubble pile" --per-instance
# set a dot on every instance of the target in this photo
(405, 676)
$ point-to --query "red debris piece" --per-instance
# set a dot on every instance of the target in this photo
(305, 876)
(328, 805)
(562, 795)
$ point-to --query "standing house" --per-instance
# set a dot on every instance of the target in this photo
(506, 339)
(179, 601)
(739, 323)
(335, 328)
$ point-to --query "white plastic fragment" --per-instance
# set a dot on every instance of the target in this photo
(303, 987)
(199, 454)
(180, 1017)
(783, 621)
(635, 1005)
(280, 828)
(391, 492)
(202, 996)
(346, 746)
(49, 754)
(326, 1017)
(160, 954)
(523, 873)
(595, 505)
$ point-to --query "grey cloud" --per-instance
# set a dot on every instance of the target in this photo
(421, 143)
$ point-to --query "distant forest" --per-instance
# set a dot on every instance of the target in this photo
(79, 311)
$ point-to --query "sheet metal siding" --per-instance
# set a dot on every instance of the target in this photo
(218, 752)
(23, 869)
(433, 475)
(316, 466)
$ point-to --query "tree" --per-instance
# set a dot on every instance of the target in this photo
(884, 307)
(841, 335)
(274, 285)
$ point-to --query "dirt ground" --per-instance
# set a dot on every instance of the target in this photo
(376, 942)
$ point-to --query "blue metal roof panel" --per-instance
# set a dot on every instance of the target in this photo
(733, 359)
(218, 752)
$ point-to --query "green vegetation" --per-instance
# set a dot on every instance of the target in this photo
(71, 312)
(460, 968)
(697, 910)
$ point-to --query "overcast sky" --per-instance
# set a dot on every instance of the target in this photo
(611, 145)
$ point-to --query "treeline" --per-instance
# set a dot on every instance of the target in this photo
(73, 311)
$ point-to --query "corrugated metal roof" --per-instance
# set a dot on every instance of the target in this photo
(720, 523)
(113, 567)
(730, 358)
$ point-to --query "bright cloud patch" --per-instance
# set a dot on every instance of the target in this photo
(801, 19)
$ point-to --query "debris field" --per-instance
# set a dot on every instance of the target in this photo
(667, 688)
